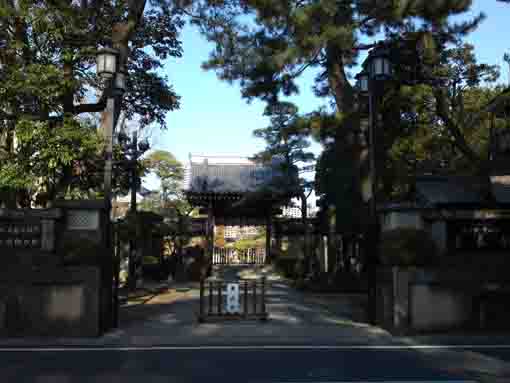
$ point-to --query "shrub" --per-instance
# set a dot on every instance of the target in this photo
(408, 247)
(80, 250)
(286, 265)
(150, 260)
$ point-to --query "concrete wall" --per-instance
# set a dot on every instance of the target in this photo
(438, 232)
(423, 300)
(436, 307)
(50, 301)
(401, 219)
(413, 219)
(57, 279)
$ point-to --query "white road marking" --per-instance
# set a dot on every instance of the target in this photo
(254, 348)
(389, 381)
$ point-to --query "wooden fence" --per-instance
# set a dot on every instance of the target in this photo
(244, 299)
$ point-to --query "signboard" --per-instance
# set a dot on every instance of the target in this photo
(232, 305)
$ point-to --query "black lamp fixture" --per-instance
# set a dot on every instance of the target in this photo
(378, 64)
(362, 81)
(107, 65)
(107, 62)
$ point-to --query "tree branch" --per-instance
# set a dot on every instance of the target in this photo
(491, 107)
(90, 108)
(452, 126)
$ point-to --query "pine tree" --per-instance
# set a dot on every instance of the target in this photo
(267, 44)
(287, 139)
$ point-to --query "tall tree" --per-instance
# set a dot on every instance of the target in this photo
(47, 57)
(266, 45)
(170, 173)
(287, 139)
(447, 126)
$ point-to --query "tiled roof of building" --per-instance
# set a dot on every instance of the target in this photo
(501, 188)
(434, 190)
(222, 174)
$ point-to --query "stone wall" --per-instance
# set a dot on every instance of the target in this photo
(412, 218)
(412, 299)
(402, 219)
(57, 279)
(49, 301)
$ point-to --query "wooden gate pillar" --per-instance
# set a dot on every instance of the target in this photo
(210, 231)
(268, 237)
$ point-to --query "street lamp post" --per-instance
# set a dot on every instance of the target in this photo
(108, 69)
(377, 70)
(135, 150)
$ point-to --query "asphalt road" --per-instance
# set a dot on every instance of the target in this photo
(259, 365)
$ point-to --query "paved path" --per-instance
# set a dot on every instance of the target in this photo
(286, 306)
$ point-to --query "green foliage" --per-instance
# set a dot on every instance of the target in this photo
(53, 34)
(150, 260)
(80, 251)
(266, 45)
(408, 247)
(287, 139)
(169, 171)
(45, 152)
(47, 79)
(257, 241)
(433, 132)
(286, 265)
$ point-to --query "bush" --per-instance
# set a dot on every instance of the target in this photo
(80, 251)
(150, 260)
(286, 265)
(408, 247)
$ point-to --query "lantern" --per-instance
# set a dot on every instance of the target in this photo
(107, 62)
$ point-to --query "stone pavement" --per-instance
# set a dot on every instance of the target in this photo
(175, 309)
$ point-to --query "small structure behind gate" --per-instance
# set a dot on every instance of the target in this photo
(243, 299)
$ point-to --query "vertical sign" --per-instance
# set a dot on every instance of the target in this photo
(232, 302)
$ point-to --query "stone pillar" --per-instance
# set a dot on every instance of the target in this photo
(210, 231)
(278, 237)
(325, 267)
(48, 235)
(268, 238)
(87, 221)
(400, 298)
(332, 236)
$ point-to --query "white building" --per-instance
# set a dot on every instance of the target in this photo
(294, 211)
(237, 232)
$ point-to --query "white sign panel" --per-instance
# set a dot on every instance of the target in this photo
(232, 305)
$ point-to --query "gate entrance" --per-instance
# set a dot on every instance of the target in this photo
(233, 192)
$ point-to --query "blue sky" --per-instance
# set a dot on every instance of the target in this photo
(213, 119)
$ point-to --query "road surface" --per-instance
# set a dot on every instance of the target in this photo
(257, 364)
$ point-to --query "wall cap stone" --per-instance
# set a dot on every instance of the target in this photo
(52, 213)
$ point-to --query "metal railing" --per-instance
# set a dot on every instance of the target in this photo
(243, 299)
(229, 256)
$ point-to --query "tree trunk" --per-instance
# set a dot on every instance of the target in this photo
(306, 237)
(345, 104)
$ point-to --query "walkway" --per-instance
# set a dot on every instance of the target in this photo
(170, 314)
